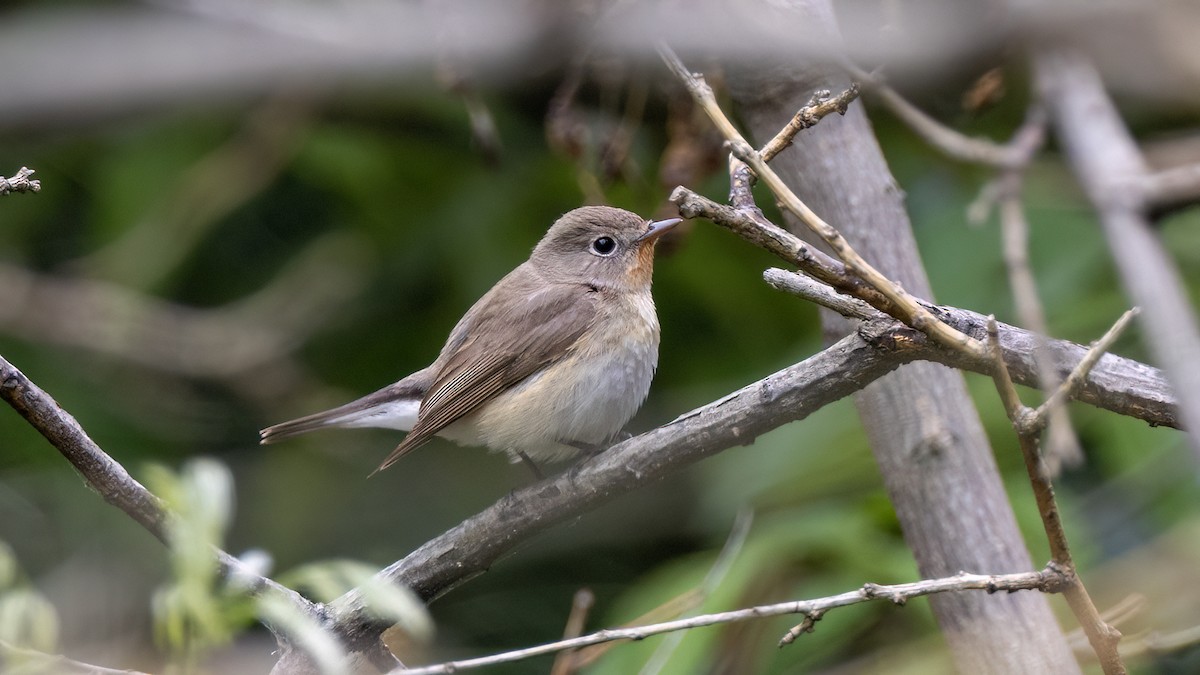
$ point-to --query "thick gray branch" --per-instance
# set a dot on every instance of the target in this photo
(1116, 384)
(473, 546)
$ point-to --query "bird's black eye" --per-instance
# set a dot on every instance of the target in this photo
(604, 246)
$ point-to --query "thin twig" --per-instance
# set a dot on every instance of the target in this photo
(1076, 378)
(1049, 580)
(904, 306)
(820, 105)
(20, 182)
(818, 293)
(716, 574)
(1062, 446)
(1103, 637)
(951, 143)
(581, 606)
(1139, 399)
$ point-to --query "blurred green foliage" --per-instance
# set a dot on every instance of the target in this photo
(432, 227)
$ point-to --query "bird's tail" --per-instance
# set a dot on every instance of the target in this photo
(393, 407)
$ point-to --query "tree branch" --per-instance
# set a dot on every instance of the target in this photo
(1172, 188)
(1130, 388)
(473, 546)
(1028, 424)
(903, 305)
(1116, 384)
(20, 182)
(1110, 168)
(105, 476)
(1049, 580)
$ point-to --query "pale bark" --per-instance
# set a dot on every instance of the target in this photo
(930, 445)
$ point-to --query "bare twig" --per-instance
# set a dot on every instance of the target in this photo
(818, 293)
(1115, 383)
(1049, 580)
(1120, 385)
(1077, 376)
(788, 247)
(20, 182)
(949, 142)
(1062, 446)
(821, 104)
(1103, 637)
(581, 606)
(903, 306)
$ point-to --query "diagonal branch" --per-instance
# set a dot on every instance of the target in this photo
(903, 305)
(105, 476)
(1111, 170)
(1028, 424)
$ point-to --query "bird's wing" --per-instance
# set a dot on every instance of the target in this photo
(516, 330)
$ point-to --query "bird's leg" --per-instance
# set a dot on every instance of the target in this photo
(593, 449)
(537, 472)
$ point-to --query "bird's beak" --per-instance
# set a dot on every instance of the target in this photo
(657, 229)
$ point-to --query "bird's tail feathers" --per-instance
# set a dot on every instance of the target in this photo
(375, 410)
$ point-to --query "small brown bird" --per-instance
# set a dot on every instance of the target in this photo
(554, 359)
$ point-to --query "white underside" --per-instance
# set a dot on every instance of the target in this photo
(400, 415)
(585, 399)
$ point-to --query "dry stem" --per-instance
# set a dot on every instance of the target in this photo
(1049, 580)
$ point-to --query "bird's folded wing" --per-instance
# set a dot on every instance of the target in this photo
(507, 340)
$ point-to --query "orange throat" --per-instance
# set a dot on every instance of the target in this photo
(642, 270)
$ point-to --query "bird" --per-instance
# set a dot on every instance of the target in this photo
(553, 361)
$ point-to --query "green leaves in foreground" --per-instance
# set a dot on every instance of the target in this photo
(199, 610)
(196, 611)
(27, 619)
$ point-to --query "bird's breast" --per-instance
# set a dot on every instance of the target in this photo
(586, 397)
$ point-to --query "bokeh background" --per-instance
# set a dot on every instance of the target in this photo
(205, 261)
